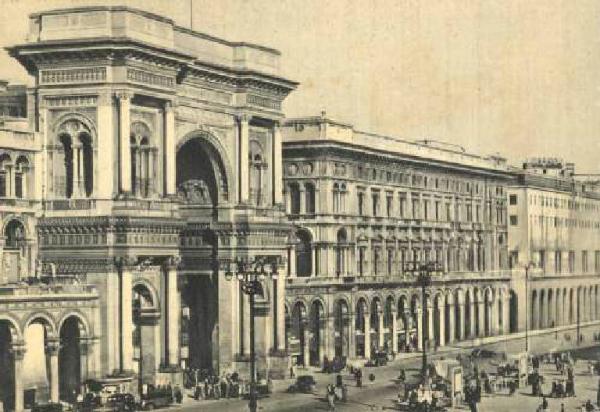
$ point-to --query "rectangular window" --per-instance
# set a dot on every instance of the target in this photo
(512, 199)
(375, 198)
(388, 206)
(571, 261)
(390, 261)
(558, 261)
(584, 261)
(514, 221)
(402, 211)
(469, 213)
(361, 206)
(426, 209)
(437, 211)
(19, 185)
(448, 212)
(597, 261)
(543, 259)
(2, 184)
(415, 209)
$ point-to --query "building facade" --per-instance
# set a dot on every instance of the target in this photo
(148, 159)
(365, 205)
(149, 162)
(554, 228)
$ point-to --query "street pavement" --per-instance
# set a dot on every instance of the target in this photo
(381, 393)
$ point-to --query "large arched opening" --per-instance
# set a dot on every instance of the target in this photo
(7, 364)
(146, 316)
(317, 330)
(342, 328)
(298, 339)
(69, 358)
(361, 327)
(513, 312)
(304, 253)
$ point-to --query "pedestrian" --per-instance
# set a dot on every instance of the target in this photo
(358, 377)
(292, 369)
(331, 397)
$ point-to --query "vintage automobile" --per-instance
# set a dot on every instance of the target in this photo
(303, 384)
(378, 358)
(47, 407)
(121, 402)
(156, 398)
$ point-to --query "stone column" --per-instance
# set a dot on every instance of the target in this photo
(306, 343)
(280, 285)
(451, 325)
(278, 166)
(481, 319)
(18, 352)
(430, 325)
(125, 266)
(351, 335)
(381, 330)
(170, 169)
(124, 141)
(407, 318)
(506, 315)
(394, 332)
(367, 321)
(442, 317)
(461, 322)
(419, 329)
(52, 348)
(244, 172)
(173, 311)
(84, 350)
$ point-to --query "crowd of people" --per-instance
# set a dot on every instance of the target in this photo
(207, 385)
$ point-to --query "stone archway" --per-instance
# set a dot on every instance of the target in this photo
(342, 328)
(317, 329)
(71, 332)
(146, 332)
(299, 334)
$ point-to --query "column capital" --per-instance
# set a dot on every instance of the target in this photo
(125, 262)
(18, 350)
(105, 98)
(170, 104)
(52, 346)
(172, 262)
(243, 118)
(124, 95)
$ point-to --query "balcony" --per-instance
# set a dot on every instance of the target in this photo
(17, 203)
(399, 278)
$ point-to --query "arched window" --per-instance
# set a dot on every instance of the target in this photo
(5, 175)
(14, 234)
(71, 160)
(336, 199)
(21, 170)
(294, 199)
(341, 266)
(310, 198)
(143, 160)
(258, 167)
(303, 254)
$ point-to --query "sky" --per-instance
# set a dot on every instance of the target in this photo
(515, 77)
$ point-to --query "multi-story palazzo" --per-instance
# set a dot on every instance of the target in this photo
(156, 157)
(555, 229)
(364, 205)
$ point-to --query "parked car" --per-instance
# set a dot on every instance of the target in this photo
(378, 359)
(47, 407)
(303, 384)
(121, 402)
(156, 398)
(483, 353)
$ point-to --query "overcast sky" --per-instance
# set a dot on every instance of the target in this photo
(516, 77)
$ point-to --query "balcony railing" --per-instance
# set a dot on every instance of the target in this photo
(41, 289)
(398, 278)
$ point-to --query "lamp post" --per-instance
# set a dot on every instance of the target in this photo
(250, 274)
(424, 271)
(528, 266)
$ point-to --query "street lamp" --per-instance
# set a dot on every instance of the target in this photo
(528, 266)
(424, 271)
(251, 274)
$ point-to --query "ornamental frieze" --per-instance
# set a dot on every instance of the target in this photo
(264, 102)
(71, 101)
(80, 75)
(140, 76)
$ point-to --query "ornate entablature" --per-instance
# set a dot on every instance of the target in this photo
(73, 76)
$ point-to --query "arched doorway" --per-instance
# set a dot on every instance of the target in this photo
(303, 253)
(317, 339)
(376, 314)
(41, 352)
(361, 327)
(298, 343)
(342, 328)
(403, 324)
(146, 315)
(69, 359)
(388, 324)
(202, 186)
(341, 253)
(513, 309)
(7, 364)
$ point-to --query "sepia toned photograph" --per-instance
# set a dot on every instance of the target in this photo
(299, 205)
